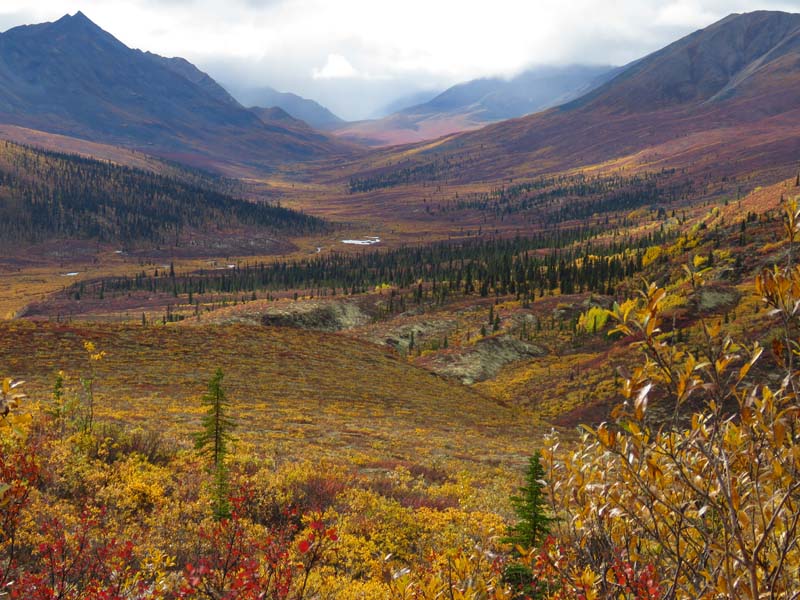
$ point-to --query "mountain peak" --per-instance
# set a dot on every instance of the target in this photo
(78, 22)
(772, 17)
(78, 30)
(77, 19)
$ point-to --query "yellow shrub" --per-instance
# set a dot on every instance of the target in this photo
(135, 485)
(593, 320)
(652, 254)
(699, 261)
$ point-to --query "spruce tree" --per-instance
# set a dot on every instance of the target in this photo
(533, 525)
(213, 440)
(530, 531)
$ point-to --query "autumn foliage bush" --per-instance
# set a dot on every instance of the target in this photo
(113, 515)
(705, 505)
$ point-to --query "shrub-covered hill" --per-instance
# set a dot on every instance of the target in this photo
(45, 195)
(311, 393)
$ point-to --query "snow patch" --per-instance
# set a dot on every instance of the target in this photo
(368, 240)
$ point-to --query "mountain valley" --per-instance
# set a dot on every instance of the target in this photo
(587, 268)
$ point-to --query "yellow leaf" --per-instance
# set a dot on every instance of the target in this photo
(779, 432)
(722, 585)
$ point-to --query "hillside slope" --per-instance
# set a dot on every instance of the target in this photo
(735, 58)
(344, 394)
(46, 196)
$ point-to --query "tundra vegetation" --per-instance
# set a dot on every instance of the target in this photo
(689, 490)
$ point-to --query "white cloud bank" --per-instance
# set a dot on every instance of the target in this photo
(336, 67)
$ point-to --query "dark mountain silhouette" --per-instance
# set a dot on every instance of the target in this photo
(737, 56)
(187, 70)
(277, 114)
(71, 77)
(300, 108)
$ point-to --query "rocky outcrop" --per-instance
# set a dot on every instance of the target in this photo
(484, 359)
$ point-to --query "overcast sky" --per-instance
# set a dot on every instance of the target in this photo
(355, 56)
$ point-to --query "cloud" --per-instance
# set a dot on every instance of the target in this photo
(336, 67)
(684, 13)
(11, 19)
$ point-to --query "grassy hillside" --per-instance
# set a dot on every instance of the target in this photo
(306, 392)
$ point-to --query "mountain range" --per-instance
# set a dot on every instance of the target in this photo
(72, 78)
(723, 88)
(726, 97)
(475, 103)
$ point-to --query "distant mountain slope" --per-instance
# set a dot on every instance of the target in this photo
(404, 102)
(496, 99)
(475, 103)
(731, 91)
(723, 61)
(73, 78)
(277, 114)
(187, 70)
(300, 108)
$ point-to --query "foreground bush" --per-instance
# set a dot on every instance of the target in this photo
(709, 503)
